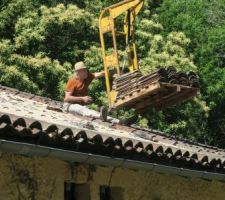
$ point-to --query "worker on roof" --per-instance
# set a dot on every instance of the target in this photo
(76, 93)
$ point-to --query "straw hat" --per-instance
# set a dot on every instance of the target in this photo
(79, 65)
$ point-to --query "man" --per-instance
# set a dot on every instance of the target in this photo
(76, 93)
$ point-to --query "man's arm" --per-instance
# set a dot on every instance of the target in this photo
(69, 98)
(99, 74)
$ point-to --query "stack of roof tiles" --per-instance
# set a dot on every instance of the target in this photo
(131, 82)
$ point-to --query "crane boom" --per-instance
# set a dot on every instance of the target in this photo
(107, 25)
(160, 89)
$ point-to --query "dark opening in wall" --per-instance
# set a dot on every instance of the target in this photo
(105, 193)
(111, 193)
(73, 191)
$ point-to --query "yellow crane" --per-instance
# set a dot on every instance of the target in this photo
(109, 33)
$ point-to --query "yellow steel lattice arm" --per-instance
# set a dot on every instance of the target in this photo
(107, 25)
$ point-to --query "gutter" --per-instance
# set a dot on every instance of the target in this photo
(30, 150)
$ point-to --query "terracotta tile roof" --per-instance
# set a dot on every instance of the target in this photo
(24, 118)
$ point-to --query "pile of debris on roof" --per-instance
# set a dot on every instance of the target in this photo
(156, 89)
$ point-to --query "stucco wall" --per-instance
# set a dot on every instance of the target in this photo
(23, 178)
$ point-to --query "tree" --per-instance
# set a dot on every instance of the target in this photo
(41, 40)
(46, 41)
(203, 22)
(156, 50)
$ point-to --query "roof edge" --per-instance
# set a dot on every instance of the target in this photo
(29, 150)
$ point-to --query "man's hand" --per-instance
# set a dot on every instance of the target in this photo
(99, 74)
(87, 99)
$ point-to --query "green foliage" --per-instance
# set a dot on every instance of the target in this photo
(187, 120)
(143, 123)
(156, 50)
(203, 22)
(55, 31)
(41, 40)
(42, 44)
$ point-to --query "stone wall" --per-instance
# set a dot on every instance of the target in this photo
(24, 178)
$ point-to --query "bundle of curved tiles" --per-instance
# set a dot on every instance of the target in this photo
(130, 82)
